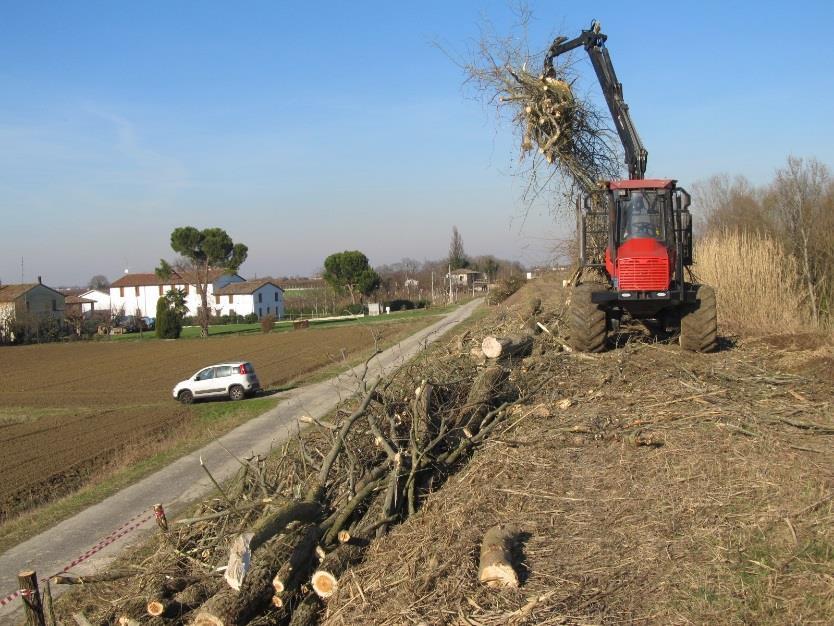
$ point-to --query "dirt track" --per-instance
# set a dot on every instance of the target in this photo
(67, 409)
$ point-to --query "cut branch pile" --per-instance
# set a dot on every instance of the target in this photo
(565, 131)
(272, 547)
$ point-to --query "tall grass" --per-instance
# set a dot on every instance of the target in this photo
(758, 284)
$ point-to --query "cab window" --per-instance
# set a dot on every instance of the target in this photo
(641, 216)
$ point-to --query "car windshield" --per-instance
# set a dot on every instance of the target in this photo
(641, 216)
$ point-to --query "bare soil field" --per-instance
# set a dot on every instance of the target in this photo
(643, 485)
(68, 409)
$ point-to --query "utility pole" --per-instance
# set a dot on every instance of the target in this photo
(450, 283)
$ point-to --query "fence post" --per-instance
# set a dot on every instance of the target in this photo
(33, 608)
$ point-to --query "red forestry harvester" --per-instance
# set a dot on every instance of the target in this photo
(637, 233)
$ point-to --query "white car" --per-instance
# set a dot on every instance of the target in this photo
(233, 380)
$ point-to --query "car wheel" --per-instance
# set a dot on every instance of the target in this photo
(236, 392)
(185, 396)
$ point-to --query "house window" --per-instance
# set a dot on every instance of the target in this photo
(260, 297)
(267, 310)
(276, 296)
(121, 292)
(185, 289)
(231, 297)
(260, 312)
(54, 304)
(160, 290)
(137, 290)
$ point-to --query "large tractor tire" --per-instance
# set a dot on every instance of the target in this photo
(699, 322)
(587, 323)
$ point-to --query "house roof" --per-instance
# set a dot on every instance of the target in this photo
(11, 292)
(140, 280)
(176, 278)
(78, 300)
(465, 271)
(245, 287)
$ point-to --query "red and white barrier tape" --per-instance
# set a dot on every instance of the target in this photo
(132, 524)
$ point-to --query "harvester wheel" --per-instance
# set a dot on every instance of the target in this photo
(586, 321)
(699, 322)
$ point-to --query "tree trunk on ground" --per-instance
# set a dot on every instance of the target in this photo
(496, 569)
(482, 397)
(298, 566)
(233, 608)
(504, 347)
(325, 580)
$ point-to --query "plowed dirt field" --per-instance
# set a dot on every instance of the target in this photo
(66, 410)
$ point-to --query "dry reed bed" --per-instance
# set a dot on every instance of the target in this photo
(759, 285)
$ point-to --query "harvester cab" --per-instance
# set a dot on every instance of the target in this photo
(636, 234)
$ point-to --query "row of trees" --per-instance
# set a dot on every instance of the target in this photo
(796, 209)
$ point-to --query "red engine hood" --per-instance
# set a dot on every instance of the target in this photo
(643, 264)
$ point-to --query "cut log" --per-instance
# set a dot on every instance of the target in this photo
(160, 602)
(505, 347)
(299, 564)
(496, 568)
(194, 595)
(307, 612)
(325, 580)
(482, 396)
(233, 608)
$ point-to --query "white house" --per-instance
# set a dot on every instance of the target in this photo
(263, 297)
(100, 298)
(140, 292)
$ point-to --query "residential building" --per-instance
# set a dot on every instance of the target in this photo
(468, 279)
(76, 305)
(28, 302)
(261, 296)
(141, 291)
(99, 297)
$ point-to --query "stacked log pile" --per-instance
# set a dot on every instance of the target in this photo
(272, 546)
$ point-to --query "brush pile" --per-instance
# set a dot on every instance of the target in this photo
(273, 544)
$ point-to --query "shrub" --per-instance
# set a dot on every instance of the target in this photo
(251, 318)
(757, 283)
(355, 309)
(168, 322)
(267, 323)
(401, 305)
(505, 288)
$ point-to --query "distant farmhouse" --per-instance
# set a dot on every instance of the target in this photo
(28, 303)
(468, 279)
(228, 293)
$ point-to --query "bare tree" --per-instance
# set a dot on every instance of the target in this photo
(99, 281)
(457, 256)
(800, 200)
(722, 202)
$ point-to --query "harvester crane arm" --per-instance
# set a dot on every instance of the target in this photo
(594, 43)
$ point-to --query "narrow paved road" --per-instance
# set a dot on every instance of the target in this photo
(183, 481)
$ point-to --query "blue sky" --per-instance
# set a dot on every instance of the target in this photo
(309, 128)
